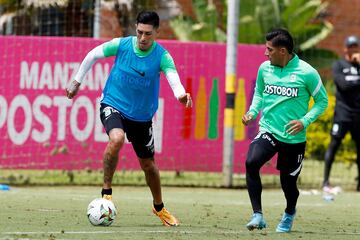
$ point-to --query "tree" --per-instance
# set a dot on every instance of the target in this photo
(303, 18)
(47, 17)
(203, 28)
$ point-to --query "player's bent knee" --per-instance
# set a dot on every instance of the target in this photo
(251, 165)
(147, 164)
(117, 138)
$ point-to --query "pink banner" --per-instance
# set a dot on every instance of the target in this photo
(41, 129)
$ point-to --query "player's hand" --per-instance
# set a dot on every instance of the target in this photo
(247, 118)
(186, 100)
(72, 89)
(294, 127)
(355, 58)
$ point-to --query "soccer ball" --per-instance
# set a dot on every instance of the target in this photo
(101, 212)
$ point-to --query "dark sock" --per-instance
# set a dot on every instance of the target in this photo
(326, 184)
(290, 211)
(106, 191)
(159, 207)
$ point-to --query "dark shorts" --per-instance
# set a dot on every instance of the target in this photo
(140, 134)
(290, 156)
(339, 130)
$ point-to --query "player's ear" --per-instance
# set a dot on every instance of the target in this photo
(157, 30)
(283, 50)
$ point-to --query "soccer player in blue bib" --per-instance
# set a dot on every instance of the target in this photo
(130, 99)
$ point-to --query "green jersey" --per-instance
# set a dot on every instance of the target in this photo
(283, 94)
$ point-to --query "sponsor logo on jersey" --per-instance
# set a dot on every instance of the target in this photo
(141, 73)
(134, 82)
(281, 90)
(292, 77)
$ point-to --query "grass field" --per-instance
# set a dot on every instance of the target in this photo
(342, 174)
(205, 213)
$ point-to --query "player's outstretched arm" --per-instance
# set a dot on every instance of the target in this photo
(89, 60)
(178, 89)
(318, 92)
(168, 67)
(257, 100)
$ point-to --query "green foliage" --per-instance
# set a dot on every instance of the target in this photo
(300, 17)
(318, 135)
(8, 2)
(203, 28)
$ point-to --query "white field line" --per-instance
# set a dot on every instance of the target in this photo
(48, 210)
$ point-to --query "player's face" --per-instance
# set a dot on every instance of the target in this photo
(275, 54)
(351, 50)
(145, 34)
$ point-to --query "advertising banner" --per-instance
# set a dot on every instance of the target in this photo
(41, 129)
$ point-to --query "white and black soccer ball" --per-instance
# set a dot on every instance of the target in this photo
(101, 212)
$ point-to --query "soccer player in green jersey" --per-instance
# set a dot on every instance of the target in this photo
(283, 89)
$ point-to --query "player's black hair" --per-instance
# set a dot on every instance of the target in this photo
(280, 37)
(148, 17)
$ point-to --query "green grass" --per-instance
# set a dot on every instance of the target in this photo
(205, 213)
